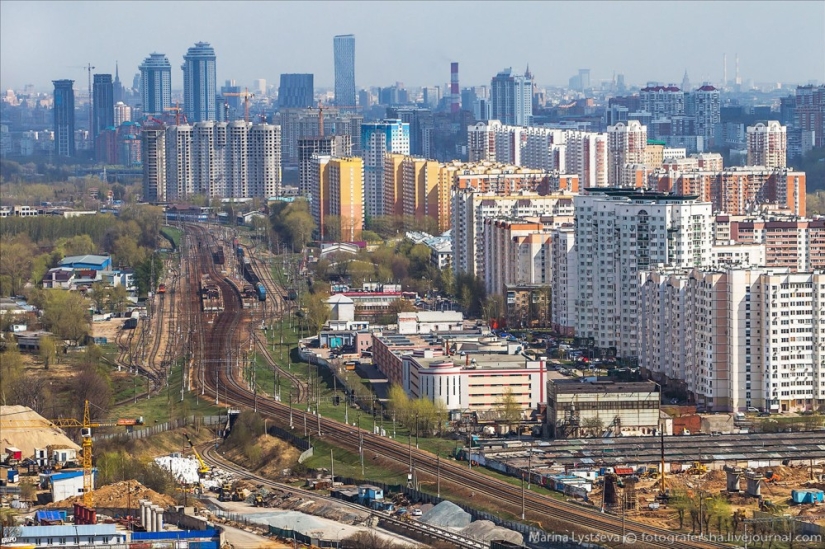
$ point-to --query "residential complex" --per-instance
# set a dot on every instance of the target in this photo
(337, 190)
(344, 50)
(418, 189)
(736, 338)
(379, 139)
(216, 159)
(619, 233)
(767, 145)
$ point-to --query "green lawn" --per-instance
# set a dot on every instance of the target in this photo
(173, 235)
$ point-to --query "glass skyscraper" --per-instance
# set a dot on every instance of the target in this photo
(155, 84)
(296, 91)
(344, 47)
(64, 117)
(199, 83)
(103, 108)
(512, 98)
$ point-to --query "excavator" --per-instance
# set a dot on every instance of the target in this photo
(203, 468)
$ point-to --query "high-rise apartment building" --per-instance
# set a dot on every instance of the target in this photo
(419, 190)
(564, 287)
(155, 84)
(512, 98)
(626, 145)
(377, 140)
(103, 104)
(810, 112)
(518, 252)
(199, 83)
(296, 91)
(705, 104)
(768, 145)
(620, 232)
(64, 118)
(218, 159)
(154, 164)
(344, 50)
(298, 124)
(662, 101)
(421, 123)
(123, 113)
(328, 145)
(470, 207)
(346, 204)
(736, 338)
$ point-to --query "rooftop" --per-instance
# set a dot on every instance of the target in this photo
(89, 258)
(571, 385)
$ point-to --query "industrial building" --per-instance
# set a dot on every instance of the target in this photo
(577, 408)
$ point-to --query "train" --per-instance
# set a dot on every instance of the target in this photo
(217, 256)
(162, 289)
(249, 275)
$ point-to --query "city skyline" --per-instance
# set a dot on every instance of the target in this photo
(607, 41)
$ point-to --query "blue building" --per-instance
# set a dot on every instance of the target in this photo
(94, 262)
(64, 117)
(344, 49)
(296, 91)
(511, 96)
(377, 140)
(155, 84)
(199, 83)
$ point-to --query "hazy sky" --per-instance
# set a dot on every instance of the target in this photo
(414, 42)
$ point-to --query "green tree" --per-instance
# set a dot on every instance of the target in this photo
(16, 263)
(494, 307)
(66, 314)
(100, 294)
(318, 310)
(80, 244)
(11, 371)
(400, 404)
(128, 253)
(118, 298)
(508, 407)
(48, 351)
(92, 383)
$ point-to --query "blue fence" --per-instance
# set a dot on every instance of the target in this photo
(176, 535)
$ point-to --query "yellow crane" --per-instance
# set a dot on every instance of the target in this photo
(246, 96)
(203, 468)
(85, 427)
(178, 113)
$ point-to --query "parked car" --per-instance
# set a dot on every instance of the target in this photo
(753, 410)
(416, 512)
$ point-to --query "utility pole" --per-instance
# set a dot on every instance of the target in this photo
(522, 496)
(438, 473)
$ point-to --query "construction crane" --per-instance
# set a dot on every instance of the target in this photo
(203, 468)
(246, 97)
(85, 427)
(320, 119)
(178, 113)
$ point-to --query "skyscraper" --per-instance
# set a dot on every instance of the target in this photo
(296, 91)
(154, 164)
(199, 83)
(378, 139)
(118, 86)
(103, 108)
(344, 48)
(155, 84)
(512, 98)
(64, 117)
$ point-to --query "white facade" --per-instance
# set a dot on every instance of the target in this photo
(563, 280)
(768, 145)
(619, 234)
(737, 338)
(153, 145)
(470, 208)
(517, 252)
(626, 143)
(425, 322)
(180, 182)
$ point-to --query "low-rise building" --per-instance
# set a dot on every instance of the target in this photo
(71, 535)
(578, 408)
(425, 322)
(89, 261)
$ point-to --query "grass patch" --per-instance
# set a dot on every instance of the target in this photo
(173, 235)
(348, 464)
(166, 404)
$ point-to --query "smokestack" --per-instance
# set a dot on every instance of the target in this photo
(456, 98)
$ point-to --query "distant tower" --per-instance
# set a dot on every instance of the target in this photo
(155, 84)
(103, 110)
(724, 70)
(64, 117)
(738, 80)
(118, 86)
(512, 98)
(455, 98)
(344, 51)
(199, 83)
(685, 82)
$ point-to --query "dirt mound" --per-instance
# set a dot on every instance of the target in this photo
(716, 475)
(120, 494)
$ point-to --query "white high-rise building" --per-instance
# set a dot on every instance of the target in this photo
(563, 280)
(736, 338)
(768, 145)
(218, 159)
(619, 234)
(626, 144)
(470, 208)
(586, 156)
(123, 113)
(180, 182)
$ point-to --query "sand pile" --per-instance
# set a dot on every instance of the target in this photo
(25, 429)
(485, 530)
(120, 494)
(447, 515)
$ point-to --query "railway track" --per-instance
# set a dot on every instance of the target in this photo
(578, 518)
